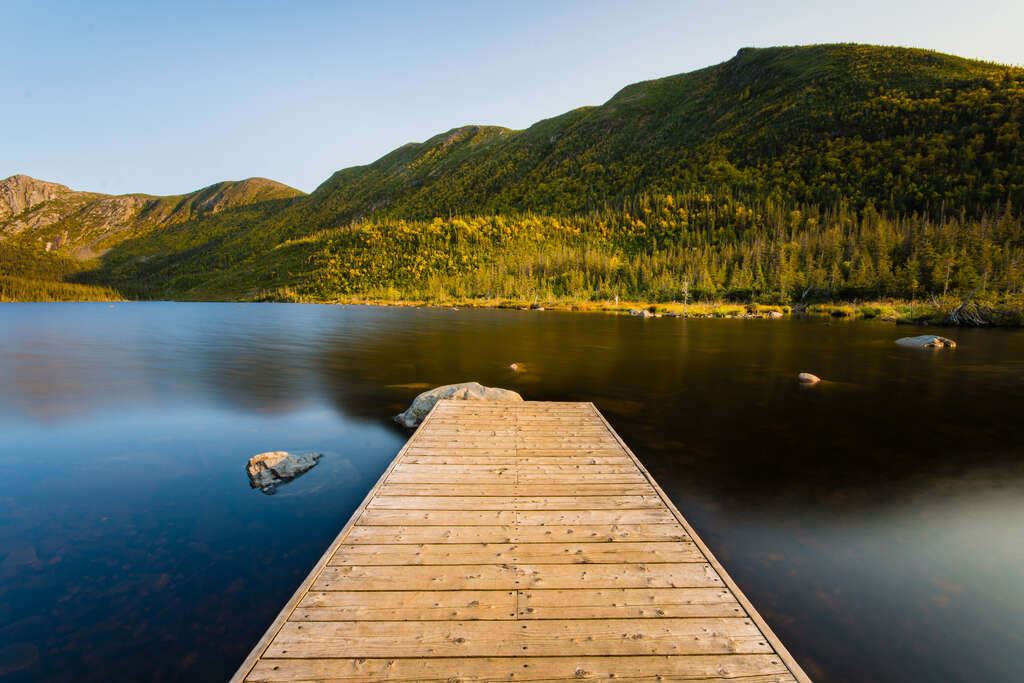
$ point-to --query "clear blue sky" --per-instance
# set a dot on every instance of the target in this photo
(167, 97)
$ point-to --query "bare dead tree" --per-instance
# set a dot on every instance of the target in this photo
(969, 313)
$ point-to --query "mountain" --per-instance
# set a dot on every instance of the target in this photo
(20, 192)
(846, 170)
(903, 129)
(86, 223)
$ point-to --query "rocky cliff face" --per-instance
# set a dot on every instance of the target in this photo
(20, 193)
(59, 218)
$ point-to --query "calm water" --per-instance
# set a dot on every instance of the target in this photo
(876, 520)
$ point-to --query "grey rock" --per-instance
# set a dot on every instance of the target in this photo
(927, 341)
(20, 193)
(773, 315)
(267, 470)
(464, 391)
(808, 378)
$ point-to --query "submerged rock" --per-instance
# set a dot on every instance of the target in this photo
(464, 391)
(808, 378)
(927, 341)
(267, 470)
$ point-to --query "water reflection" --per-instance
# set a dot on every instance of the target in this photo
(870, 517)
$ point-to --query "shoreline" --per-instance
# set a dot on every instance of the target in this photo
(897, 312)
(1002, 315)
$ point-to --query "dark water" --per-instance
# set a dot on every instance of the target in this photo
(876, 520)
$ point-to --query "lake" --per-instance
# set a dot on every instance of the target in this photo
(875, 520)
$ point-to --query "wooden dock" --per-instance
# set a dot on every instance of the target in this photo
(518, 542)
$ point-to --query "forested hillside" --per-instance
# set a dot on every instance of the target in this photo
(825, 172)
(904, 130)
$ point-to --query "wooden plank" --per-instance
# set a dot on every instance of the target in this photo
(383, 502)
(563, 637)
(446, 578)
(537, 407)
(552, 533)
(499, 421)
(416, 449)
(445, 518)
(502, 477)
(605, 533)
(376, 517)
(455, 458)
(576, 415)
(516, 432)
(499, 577)
(553, 434)
(758, 668)
(547, 442)
(590, 516)
(507, 553)
(617, 576)
(578, 468)
(637, 488)
(406, 605)
(618, 603)
(512, 452)
(431, 534)
(529, 452)
(451, 478)
(570, 479)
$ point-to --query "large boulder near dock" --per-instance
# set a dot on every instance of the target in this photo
(267, 470)
(464, 391)
(927, 341)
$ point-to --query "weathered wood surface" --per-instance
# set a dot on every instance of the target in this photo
(518, 542)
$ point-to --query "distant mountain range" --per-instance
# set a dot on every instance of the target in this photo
(84, 223)
(821, 130)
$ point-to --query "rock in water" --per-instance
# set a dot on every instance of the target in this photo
(927, 341)
(808, 378)
(464, 391)
(267, 470)
(773, 315)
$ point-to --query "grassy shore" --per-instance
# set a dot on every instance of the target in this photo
(1007, 312)
(27, 289)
